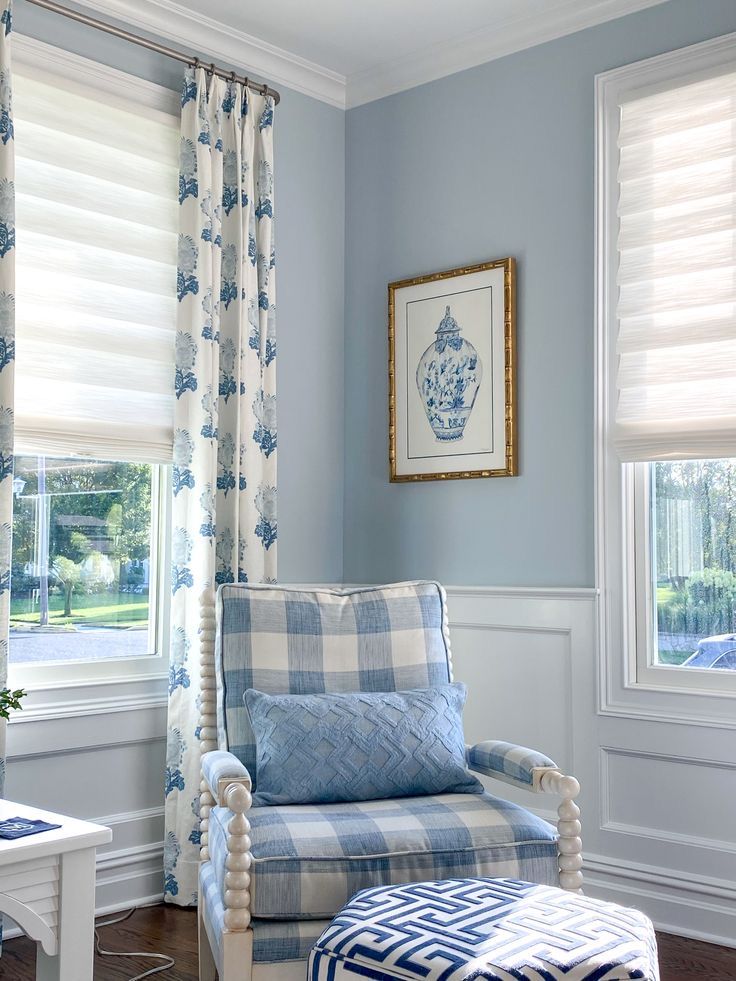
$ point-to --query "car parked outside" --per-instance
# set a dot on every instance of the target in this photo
(714, 652)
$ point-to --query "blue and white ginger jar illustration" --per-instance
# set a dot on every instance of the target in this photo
(448, 378)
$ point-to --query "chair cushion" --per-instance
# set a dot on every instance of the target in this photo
(309, 859)
(280, 639)
(327, 748)
(496, 929)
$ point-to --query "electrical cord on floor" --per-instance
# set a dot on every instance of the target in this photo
(168, 961)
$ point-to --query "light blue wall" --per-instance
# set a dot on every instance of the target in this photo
(309, 141)
(494, 161)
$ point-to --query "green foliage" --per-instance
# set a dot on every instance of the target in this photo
(66, 571)
(707, 605)
(695, 527)
(97, 572)
(99, 520)
(10, 700)
(78, 546)
(69, 575)
(136, 575)
(709, 486)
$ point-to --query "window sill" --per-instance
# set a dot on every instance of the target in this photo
(110, 696)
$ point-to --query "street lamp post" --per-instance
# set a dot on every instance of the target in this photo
(43, 543)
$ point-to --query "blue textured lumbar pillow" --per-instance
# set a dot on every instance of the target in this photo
(321, 749)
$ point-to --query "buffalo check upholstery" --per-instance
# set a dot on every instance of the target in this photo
(274, 941)
(492, 929)
(515, 764)
(309, 859)
(221, 765)
(281, 640)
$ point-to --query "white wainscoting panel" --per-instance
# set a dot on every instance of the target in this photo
(542, 657)
(658, 798)
(98, 753)
(675, 811)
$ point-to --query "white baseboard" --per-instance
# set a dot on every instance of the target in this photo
(693, 906)
(538, 645)
(137, 881)
(129, 876)
(697, 907)
(114, 895)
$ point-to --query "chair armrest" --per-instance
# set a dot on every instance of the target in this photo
(226, 781)
(221, 770)
(513, 764)
(533, 771)
(238, 860)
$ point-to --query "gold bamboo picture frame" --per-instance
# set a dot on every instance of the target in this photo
(452, 374)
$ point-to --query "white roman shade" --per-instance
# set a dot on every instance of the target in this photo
(96, 199)
(676, 376)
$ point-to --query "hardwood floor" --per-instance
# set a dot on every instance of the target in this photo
(681, 959)
(173, 931)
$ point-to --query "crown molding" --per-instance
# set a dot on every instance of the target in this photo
(504, 38)
(208, 38)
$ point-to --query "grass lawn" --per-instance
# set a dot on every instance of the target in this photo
(665, 594)
(123, 610)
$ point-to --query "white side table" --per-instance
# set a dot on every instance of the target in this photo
(47, 886)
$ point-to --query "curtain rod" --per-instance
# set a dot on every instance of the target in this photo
(143, 42)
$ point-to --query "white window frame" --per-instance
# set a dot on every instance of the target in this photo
(630, 684)
(65, 683)
(34, 675)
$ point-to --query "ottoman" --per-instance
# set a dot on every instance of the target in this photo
(483, 929)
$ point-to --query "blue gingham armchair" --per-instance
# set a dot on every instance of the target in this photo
(272, 877)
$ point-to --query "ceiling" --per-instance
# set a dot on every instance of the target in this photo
(350, 37)
(352, 51)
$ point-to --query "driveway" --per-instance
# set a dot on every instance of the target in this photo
(82, 644)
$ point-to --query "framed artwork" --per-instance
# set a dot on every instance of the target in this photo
(452, 392)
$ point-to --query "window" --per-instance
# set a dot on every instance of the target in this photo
(96, 202)
(86, 560)
(667, 368)
(687, 557)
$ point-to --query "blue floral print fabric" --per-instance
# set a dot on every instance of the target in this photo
(7, 346)
(224, 466)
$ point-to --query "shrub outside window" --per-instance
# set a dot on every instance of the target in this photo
(85, 563)
(693, 514)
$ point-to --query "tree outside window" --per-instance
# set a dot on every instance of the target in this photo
(81, 558)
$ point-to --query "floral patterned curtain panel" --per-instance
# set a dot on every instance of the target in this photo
(224, 475)
(7, 347)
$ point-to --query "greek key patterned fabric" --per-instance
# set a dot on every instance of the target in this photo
(274, 941)
(308, 860)
(224, 474)
(352, 746)
(281, 640)
(495, 929)
(514, 763)
(7, 347)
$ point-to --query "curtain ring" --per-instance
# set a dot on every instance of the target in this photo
(197, 63)
(211, 69)
(264, 90)
(232, 78)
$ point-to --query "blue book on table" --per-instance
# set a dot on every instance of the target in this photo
(19, 827)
